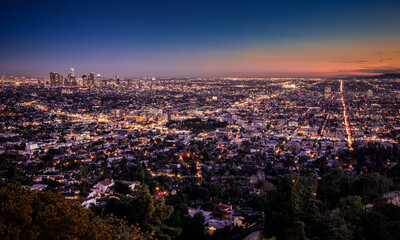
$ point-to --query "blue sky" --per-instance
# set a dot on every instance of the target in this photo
(196, 38)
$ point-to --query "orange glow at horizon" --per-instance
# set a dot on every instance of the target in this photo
(306, 59)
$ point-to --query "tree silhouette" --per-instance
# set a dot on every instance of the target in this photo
(26, 214)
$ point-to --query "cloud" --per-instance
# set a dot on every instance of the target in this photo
(381, 70)
(355, 61)
(385, 59)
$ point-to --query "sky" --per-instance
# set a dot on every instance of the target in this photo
(202, 38)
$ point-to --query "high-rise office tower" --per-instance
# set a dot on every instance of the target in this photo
(52, 78)
(56, 79)
(73, 78)
(116, 79)
(98, 80)
(60, 80)
(84, 80)
(91, 79)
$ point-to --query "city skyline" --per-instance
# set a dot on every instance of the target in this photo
(202, 39)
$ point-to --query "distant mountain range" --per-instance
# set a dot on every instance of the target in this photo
(384, 76)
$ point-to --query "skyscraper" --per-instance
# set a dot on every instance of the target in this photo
(71, 78)
(60, 80)
(91, 79)
(117, 79)
(56, 79)
(84, 80)
(98, 80)
(52, 78)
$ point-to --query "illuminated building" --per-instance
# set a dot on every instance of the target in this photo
(52, 78)
(328, 92)
(84, 80)
(98, 79)
(71, 78)
(56, 79)
(91, 79)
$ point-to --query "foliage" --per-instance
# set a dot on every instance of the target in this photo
(26, 214)
(352, 209)
(145, 211)
(122, 188)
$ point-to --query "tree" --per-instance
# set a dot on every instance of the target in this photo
(334, 186)
(145, 211)
(257, 202)
(193, 168)
(122, 188)
(382, 222)
(294, 209)
(296, 232)
(197, 226)
(178, 216)
(371, 186)
(193, 227)
(352, 209)
(284, 205)
(28, 214)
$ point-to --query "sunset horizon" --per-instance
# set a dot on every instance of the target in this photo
(202, 39)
